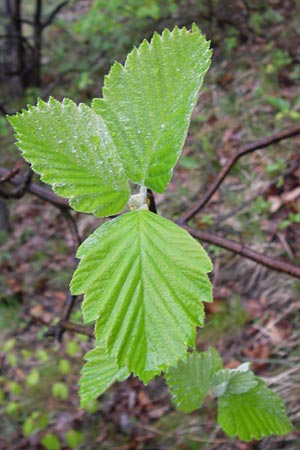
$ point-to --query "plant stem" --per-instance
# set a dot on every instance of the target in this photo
(248, 148)
(246, 252)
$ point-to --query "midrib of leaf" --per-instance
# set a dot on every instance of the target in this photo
(71, 148)
(163, 307)
(135, 310)
(253, 414)
(160, 281)
(174, 78)
(144, 322)
(117, 254)
(152, 115)
(162, 80)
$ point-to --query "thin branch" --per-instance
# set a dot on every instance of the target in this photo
(54, 13)
(48, 196)
(73, 227)
(27, 21)
(249, 148)
(69, 326)
(259, 193)
(58, 330)
(246, 252)
(9, 175)
(70, 301)
(37, 190)
(21, 189)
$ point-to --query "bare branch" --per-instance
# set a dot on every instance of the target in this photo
(59, 329)
(22, 187)
(9, 175)
(69, 326)
(70, 301)
(27, 21)
(54, 13)
(73, 227)
(26, 186)
(38, 191)
(246, 252)
(260, 193)
(248, 148)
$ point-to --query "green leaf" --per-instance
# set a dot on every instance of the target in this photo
(2, 395)
(51, 442)
(74, 438)
(253, 414)
(145, 291)
(98, 374)
(14, 388)
(148, 102)
(72, 348)
(60, 390)
(35, 422)
(234, 381)
(71, 148)
(13, 408)
(64, 366)
(191, 379)
(33, 378)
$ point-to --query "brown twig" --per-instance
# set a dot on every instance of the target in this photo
(9, 175)
(57, 331)
(73, 227)
(248, 148)
(21, 188)
(70, 301)
(25, 185)
(37, 190)
(69, 326)
(54, 13)
(246, 252)
(259, 193)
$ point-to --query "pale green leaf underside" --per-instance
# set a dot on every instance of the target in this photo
(148, 102)
(98, 374)
(234, 381)
(190, 381)
(144, 281)
(71, 148)
(253, 414)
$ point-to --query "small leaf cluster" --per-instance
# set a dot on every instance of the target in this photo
(246, 407)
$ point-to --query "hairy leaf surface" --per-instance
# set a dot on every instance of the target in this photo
(148, 102)
(98, 374)
(71, 148)
(144, 282)
(253, 414)
(191, 379)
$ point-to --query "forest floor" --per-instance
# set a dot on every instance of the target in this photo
(251, 91)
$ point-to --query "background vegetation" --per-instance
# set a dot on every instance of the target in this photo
(250, 92)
